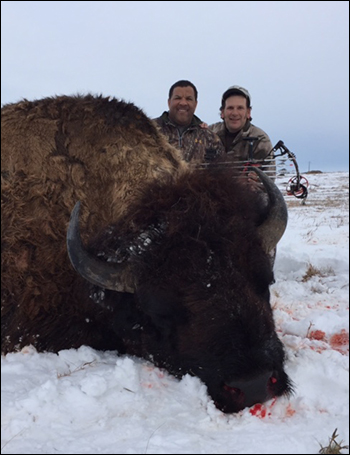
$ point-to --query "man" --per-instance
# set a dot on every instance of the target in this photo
(243, 141)
(183, 128)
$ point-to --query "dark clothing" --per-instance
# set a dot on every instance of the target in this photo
(228, 138)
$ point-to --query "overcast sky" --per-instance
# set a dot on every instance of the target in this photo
(293, 57)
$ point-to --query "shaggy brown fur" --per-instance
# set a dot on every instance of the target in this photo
(190, 239)
(55, 152)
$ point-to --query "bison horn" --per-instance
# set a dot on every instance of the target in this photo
(273, 227)
(97, 272)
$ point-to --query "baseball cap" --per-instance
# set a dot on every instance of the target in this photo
(236, 90)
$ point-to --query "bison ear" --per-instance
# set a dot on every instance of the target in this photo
(164, 308)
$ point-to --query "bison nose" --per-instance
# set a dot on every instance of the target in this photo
(251, 391)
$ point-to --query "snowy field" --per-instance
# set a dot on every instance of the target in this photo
(89, 402)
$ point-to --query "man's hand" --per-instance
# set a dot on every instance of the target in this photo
(254, 182)
(251, 179)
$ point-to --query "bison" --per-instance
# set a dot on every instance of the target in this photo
(170, 263)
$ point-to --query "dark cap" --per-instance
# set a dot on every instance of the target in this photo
(236, 90)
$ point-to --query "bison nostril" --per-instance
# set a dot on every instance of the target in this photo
(253, 390)
(232, 389)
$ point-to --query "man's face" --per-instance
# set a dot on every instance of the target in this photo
(235, 113)
(182, 105)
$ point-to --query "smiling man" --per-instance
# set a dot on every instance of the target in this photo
(242, 140)
(183, 128)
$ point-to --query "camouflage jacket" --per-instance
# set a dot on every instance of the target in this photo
(239, 150)
(194, 142)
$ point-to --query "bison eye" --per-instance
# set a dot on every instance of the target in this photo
(273, 380)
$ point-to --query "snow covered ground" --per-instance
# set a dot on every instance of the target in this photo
(89, 402)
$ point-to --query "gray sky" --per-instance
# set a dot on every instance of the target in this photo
(293, 57)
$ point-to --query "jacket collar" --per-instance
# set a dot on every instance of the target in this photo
(244, 132)
(196, 121)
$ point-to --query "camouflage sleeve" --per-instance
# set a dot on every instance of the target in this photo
(262, 153)
(215, 127)
(214, 148)
(218, 145)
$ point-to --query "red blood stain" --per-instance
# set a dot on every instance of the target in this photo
(317, 335)
(290, 411)
(259, 410)
(147, 385)
(339, 341)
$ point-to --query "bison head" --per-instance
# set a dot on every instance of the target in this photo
(186, 275)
